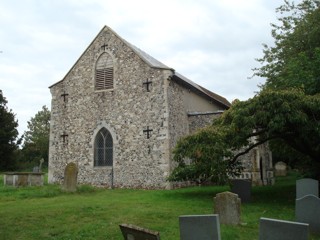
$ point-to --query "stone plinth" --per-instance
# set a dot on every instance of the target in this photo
(18, 179)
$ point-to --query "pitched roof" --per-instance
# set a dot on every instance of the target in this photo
(154, 63)
(177, 77)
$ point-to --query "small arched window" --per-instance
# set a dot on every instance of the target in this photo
(103, 148)
(104, 72)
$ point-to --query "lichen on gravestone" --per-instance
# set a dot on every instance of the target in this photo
(228, 206)
(70, 177)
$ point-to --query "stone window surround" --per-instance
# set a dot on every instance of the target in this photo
(100, 125)
(103, 149)
(96, 57)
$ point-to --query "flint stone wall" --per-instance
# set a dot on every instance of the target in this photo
(125, 111)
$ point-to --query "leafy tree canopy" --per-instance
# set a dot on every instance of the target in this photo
(286, 110)
(289, 116)
(8, 135)
(36, 138)
(294, 59)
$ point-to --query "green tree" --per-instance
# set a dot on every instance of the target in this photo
(8, 135)
(294, 59)
(288, 116)
(285, 111)
(36, 138)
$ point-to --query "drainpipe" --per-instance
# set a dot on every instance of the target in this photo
(111, 174)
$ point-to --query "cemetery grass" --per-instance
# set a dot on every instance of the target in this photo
(90, 213)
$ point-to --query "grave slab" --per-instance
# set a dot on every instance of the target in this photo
(242, 188)
(132, 232)
(307, 186)
(308, 211)
(274, 229)
(200, 227)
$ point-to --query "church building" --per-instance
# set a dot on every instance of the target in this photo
(118, 113)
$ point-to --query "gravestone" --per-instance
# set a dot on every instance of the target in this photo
(273, 229)
(308, 211)
(307, 186)
(242, 187)
(40, 165)
(280, 169)
(37, 169)
(131, 232)
(200, 227)
(228, 205)
(70, 177)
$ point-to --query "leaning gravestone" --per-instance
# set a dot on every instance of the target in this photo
(70, 177)
(228, 205)
(131, 232)
(242, 188)
(307, 186)
(308, 211)
(280, 169)
(200, 227)
(273, 229)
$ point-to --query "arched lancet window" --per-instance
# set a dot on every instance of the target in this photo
(104, 72)
(103, 148)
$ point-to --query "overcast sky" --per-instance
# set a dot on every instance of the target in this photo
(212, 42)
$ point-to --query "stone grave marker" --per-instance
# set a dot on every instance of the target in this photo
(228, 205)
(307, 186)
(40, 165)
(131, 232)
(274, 229)
(280, 169)
(200, 227)
(70, 177)
(242, 187)
(308, 211)
(37, 169)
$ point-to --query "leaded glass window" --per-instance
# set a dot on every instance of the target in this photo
(103, 148)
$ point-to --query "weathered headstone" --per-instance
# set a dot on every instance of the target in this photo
(307, 186)
(242, 187)
(131, 232)
(37, 169)
(228, 205)
(280, 169)
(200, 227)
(273, 229)
(308, 211)
(70, 177)
(40, 165)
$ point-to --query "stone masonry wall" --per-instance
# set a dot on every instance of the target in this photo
(125, 111)
(197, 121)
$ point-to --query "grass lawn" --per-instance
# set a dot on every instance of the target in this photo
(48, 213)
